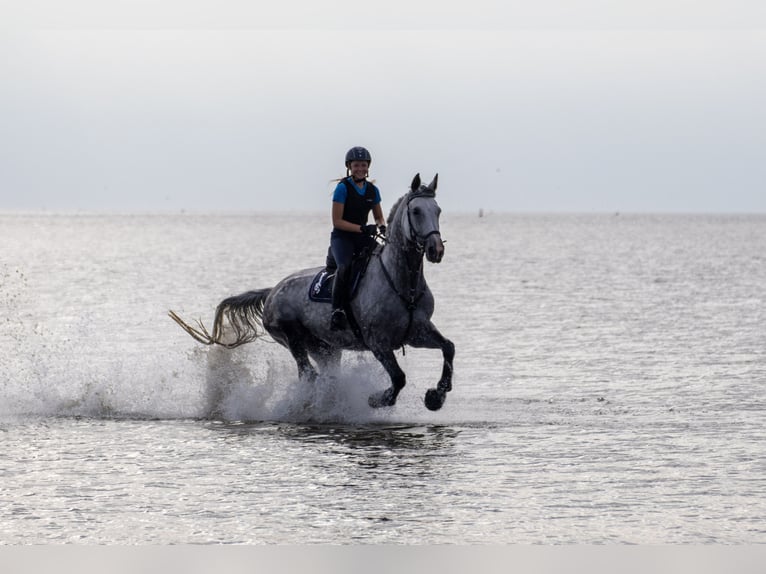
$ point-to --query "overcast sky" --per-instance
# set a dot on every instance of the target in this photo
(553, 105)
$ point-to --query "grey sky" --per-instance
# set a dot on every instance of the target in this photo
(172, 105)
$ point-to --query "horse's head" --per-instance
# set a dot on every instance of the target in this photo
(422, 219)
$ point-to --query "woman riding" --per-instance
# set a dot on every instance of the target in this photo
(352, 201)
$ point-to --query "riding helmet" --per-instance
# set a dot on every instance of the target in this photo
(358, 154)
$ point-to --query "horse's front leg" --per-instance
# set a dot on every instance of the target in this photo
(431, 338)
(387, 398)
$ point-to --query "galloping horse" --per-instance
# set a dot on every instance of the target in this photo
(392, 306)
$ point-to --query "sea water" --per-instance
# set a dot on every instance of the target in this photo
(610, 386)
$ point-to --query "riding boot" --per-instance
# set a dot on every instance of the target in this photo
(338, 318)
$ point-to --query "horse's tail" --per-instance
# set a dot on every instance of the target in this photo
(244, 313)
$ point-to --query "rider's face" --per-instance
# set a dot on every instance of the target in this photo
(359, 169)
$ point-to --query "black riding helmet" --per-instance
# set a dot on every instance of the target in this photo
(358, 153)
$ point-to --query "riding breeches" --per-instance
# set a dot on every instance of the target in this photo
(344, 245)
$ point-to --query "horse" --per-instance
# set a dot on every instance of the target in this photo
(391, 307)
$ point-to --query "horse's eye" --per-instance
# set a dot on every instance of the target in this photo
(416, 212)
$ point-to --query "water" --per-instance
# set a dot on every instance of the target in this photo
(609, 387)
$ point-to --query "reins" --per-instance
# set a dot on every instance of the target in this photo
(411, 300)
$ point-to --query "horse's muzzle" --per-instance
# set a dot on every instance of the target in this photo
(434, 248)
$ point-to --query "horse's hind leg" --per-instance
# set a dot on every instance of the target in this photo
(387, 398)
(431, 338)
(295, 340)
(305, 369)
(326, 357)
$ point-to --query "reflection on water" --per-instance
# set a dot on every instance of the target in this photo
(395, 447)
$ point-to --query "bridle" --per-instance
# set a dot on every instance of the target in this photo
(415, 239)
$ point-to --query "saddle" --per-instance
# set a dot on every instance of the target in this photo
(320, 289)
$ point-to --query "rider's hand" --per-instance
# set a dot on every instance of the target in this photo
(370, 229)
(382, 230)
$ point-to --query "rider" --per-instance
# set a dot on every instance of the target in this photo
(352, 201)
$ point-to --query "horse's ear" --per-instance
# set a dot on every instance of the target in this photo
(415, 183)
(432, 185)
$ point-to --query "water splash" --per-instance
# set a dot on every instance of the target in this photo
(238, 388)
(46, 374)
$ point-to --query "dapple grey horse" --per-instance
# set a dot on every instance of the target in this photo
(392, 306)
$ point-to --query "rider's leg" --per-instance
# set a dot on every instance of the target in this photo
(329, 263)
(342, 248)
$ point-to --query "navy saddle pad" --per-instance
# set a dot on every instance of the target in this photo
(321, 286)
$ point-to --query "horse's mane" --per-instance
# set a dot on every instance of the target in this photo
(394, 207)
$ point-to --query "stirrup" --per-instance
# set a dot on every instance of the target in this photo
(338, 320)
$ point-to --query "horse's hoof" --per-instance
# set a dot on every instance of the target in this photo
(434, 399)
(382, 399)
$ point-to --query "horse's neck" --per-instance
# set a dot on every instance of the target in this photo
(403, 261)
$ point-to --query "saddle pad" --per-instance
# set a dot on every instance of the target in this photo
(321, 287)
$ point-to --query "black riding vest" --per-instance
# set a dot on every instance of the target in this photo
(357, 207)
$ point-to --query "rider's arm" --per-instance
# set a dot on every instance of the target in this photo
(377, 213)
